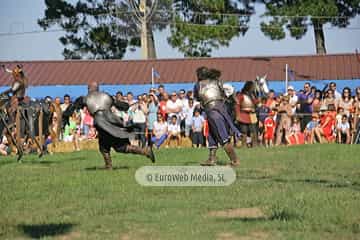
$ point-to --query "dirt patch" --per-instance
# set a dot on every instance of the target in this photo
(250, 213)
(252, 236)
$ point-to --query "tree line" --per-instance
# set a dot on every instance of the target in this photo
(106, 29)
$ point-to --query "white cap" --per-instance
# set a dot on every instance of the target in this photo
(290, 88)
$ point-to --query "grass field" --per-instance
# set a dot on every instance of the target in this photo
(302, 192)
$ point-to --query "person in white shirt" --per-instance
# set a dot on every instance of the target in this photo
(293, 99)
(173, 106)
(343, 130)
(182, 115)
(160, 130)
(332, 86)
(66, 103)
(188, 111)
(173, 131)
(139, 112)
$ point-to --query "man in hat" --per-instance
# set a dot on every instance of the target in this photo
(113, 131)
(209, 91)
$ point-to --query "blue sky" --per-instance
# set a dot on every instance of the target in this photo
(22, 15)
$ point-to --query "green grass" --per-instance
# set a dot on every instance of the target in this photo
(305, 192)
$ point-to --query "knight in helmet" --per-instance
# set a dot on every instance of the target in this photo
(113, 131)
(19, 84)
(245, 110)
(210, 92)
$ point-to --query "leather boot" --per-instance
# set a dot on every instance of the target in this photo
(212, 158)
(146, 151)
(229, 149)
(107, 160)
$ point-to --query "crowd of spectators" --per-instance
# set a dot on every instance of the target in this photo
(303, 116)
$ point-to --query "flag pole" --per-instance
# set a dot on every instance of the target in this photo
(152, 77)
(286, 76)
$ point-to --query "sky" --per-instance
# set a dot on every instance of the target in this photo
(21, 16)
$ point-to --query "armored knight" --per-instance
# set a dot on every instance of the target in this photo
(209, 91)
(112, 130)
(245, 110)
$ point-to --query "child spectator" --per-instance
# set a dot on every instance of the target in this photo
(70, 132)
(87, 121)
(160, 129)
(269, 129)
(197, 128)
(92, 133)
(174, 131)
(310, 128)
(343, 130)
(295, 135)
(4, 146)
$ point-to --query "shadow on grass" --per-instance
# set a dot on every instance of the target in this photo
(243, 219)
(103, 169)
(37, 231)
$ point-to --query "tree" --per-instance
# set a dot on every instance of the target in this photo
(298, 15)
(200, 26)
(99, 29)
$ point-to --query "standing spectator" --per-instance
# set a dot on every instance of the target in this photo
(189, 113)
(356, 111)
(173, 106)
(269, 129)
(162, 105)
(151, 116)
(184, 102)
(173, 131)
(346, 101)
(332, 87)
(293, 99)
(316, 104)
(57, 121)
(161, 90)
(66, 103)
(140, 111)
(160, 130)
(305, 110)
(285, 112)
(270, 102)
(263, 112)
(130, 98)
(329, 98)
(197, 129)
(190, 95)
(119, 96)
(343, 130)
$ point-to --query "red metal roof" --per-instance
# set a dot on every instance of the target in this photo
(81, 72)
